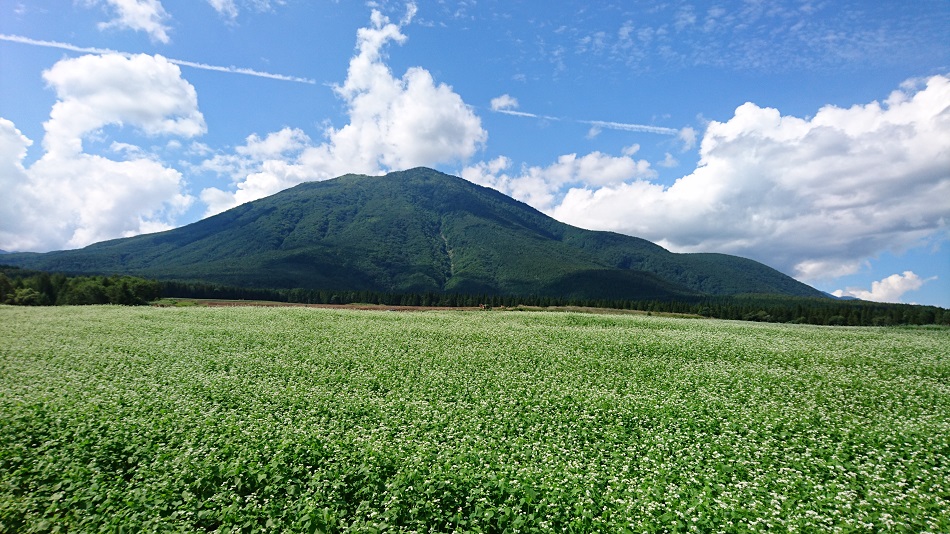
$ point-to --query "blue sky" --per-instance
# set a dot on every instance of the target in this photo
(813, 136)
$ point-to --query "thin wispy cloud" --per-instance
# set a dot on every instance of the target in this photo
(242, 70)
(602, 125)
(138, 15)
(184, 63)
(525, 114)
(628, 127)
(737, 35)
(508, 105)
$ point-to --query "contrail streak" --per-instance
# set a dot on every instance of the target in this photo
(525, 114)
(608, 125)
(92, 50)
(632, 127)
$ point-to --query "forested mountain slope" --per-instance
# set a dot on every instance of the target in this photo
(414, 231)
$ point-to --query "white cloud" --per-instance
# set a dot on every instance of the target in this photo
(508, 105)
(813, 197)
(394, 123)
(411, 10)
(684, 18)
(129, 149)
(890, 289)
(630, 150)
(13, 146)
(754, 35)
(229, 8)
(541, 186)
(525, 114)
(668, 161)
(260, 167)
(14, 211)
(94, 198)
(96, 90)
(138, 15)
(688, 136)
(628, 127)
(225, 8)
(69, 198)
(275, 145)
(504, 102)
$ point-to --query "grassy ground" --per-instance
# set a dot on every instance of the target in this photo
(300, 419)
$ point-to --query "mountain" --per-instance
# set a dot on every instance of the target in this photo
(414, 231)
(836, 297)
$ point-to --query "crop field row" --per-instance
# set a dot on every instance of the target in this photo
(312, 420)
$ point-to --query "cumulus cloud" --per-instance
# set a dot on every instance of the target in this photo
(540, 186)
(69, 198)
(890, 289)
(813, 196)
(96, 90)
(394, 123)
(260, 167)
(138, 15)
(95, 198)
(13, 176)
(688, 136)
(504, 102)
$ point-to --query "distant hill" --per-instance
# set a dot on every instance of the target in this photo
(843, 297)
(414, 231)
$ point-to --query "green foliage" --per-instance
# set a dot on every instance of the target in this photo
(7, 288)
(761, 308)
(31, 288)
(413, 232)
(301, 420)
(27, 296)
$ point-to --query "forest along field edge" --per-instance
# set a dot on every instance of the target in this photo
(22, 287)
(318, 420)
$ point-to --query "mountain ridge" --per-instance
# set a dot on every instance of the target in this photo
(417, 230)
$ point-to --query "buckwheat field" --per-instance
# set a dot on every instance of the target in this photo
(309, 420)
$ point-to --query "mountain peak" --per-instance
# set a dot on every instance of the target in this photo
(417, 230)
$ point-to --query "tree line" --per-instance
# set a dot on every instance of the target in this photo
(31, 288)
(764, 308)
(36, 288)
